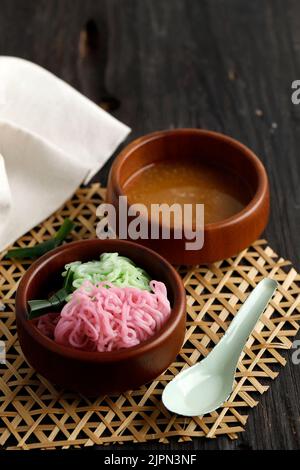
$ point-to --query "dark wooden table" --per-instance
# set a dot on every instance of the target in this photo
(225, 65)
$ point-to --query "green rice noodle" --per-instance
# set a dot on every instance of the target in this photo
(118, 270)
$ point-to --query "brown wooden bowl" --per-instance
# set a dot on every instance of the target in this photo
(221, 239)
(92, 373)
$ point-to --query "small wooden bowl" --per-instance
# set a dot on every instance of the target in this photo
(92, 373)
(221, 239)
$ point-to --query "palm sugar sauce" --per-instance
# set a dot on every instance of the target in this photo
(222, 192)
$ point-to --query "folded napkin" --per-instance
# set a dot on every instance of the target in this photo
(52, 139)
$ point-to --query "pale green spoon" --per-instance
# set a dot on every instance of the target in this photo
(205, 386)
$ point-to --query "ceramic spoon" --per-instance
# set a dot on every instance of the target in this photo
(203, 387)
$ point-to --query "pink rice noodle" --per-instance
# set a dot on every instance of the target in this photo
(98, 318)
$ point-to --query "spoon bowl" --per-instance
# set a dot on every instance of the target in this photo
(205, 386)
(198, 388)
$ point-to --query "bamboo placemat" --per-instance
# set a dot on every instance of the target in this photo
(36, 414)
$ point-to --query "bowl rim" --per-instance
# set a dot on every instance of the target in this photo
(179, 305)
(255, 202)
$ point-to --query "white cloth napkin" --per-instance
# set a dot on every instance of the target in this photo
(52, 139)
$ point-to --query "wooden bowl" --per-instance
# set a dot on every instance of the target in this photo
(224, 238)
(92, 373)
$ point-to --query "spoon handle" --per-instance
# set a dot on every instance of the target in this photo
(230, 347)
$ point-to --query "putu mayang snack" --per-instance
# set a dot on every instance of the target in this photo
(113, 305)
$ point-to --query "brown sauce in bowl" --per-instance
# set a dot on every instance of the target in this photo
(222, 192)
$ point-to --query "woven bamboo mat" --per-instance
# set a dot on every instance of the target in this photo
(36, 414)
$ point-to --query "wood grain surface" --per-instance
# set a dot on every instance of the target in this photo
(225, 65)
